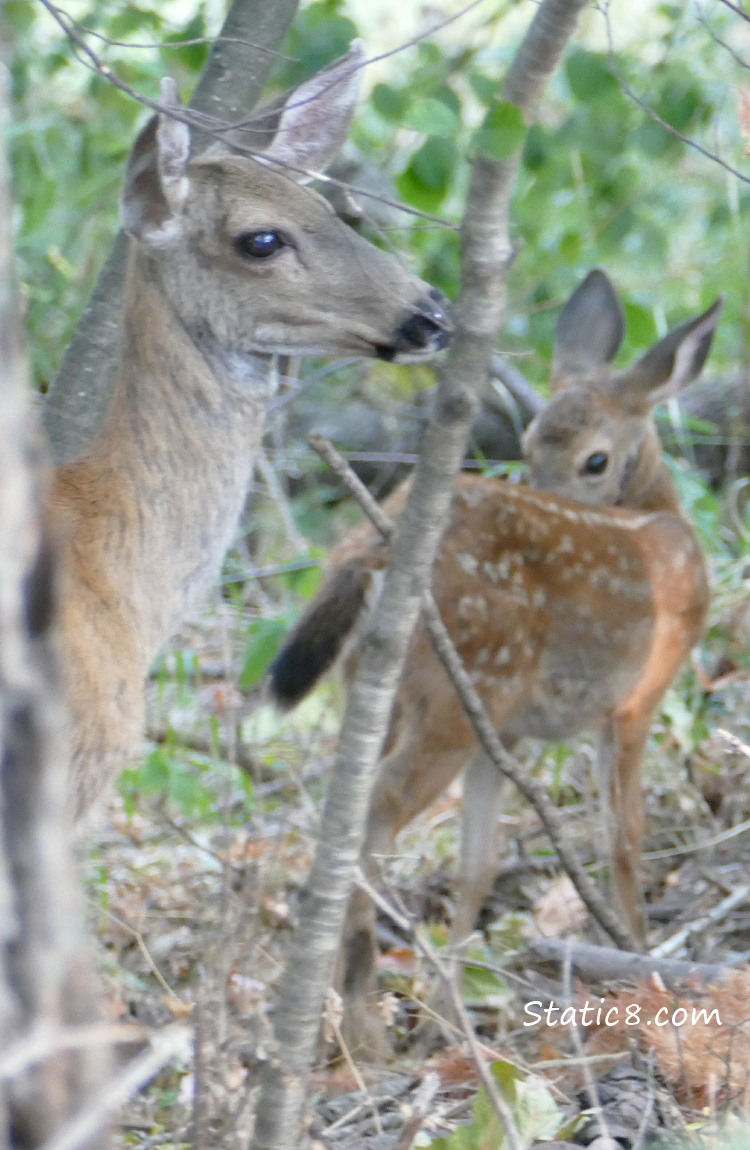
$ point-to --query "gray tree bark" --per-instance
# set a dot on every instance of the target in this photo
(486, 256)
(46, 982)
(229, 87)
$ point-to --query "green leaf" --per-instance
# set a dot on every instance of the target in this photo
(264, 640)
(536, 1113)
(482, 986)
(153, 775)
(640, 324)
(507, 1076)
(19, 15)
(389, 102)
(317, 37)
(484, 87)
(502, 132)
(432, 117)
(589, 75)
(414, 191)
(305, 582)
(191, 56)
(435, 163)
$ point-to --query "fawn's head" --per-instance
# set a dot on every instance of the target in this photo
(251, 260)
(596, 440)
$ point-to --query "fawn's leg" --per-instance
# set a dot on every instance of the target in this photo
(621, 753)
(408, 781)
(484, 792)
(483, 796)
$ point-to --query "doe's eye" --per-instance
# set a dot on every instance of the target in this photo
(259, 245)
(596, 463)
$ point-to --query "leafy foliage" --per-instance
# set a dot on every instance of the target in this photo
(602, 181)
(73, 130)
(530, 1102)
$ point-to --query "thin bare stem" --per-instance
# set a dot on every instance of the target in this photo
(165, 1045)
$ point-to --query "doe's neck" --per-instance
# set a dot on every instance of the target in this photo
(158, 497)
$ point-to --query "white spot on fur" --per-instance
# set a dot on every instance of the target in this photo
(468, 563)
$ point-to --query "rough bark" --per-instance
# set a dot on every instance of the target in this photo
(46, 982)
(228, 88)
(486, 255)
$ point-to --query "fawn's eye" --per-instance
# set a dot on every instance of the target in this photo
(259, 245)
(596, 463)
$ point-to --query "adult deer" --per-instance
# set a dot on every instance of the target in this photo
(569, 618)
(231, 262)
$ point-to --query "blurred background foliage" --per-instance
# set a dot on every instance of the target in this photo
(602, 182)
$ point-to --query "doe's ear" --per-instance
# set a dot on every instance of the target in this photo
(316, 117)
(589, 329)
(671, 364)
(156, 182)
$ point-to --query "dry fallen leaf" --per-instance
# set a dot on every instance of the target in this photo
(560, 909)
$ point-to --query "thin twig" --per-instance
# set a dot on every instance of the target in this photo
(716, 915)
(632, 95)
(279, 498)
(165, 1045)
(333, 1022)
(464, 1028)
(213, 749)
(214, 127)
(420, 1108)
(499, 1104)
(589, 1081)
(179, 1003)
(476, 712)
(165, 45)
(45, 1040)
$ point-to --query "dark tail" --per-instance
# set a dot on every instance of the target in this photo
(316, 641)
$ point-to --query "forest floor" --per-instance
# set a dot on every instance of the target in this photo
(193, 885)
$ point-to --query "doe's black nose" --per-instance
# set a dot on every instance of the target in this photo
(429, 327)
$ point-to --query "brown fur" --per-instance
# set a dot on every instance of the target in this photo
(148, 513)
(569, 617)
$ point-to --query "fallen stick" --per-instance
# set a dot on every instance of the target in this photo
(605, 964)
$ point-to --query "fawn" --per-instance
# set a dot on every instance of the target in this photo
(232, 261)
(569, 617)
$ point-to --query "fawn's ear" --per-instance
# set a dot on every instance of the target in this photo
(589, 329)
(156, 182)
(671, 364)
(316, 117)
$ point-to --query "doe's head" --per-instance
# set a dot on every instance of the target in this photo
(258, 262)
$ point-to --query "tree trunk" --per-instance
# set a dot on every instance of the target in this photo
(486, 255)
(229, 87)
(46, 981)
